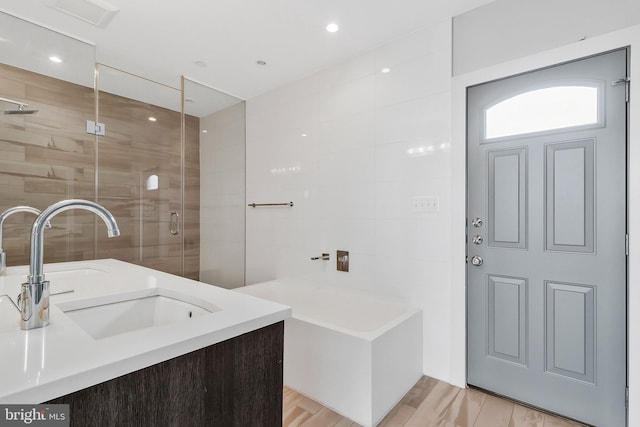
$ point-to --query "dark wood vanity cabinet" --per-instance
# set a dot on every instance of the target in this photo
(237, 382)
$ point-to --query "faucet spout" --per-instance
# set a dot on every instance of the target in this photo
(34, 297)
(3, 216)
(37, 231)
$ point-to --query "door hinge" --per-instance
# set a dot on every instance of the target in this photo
(626, 397)
(625, 81)
(626, 244)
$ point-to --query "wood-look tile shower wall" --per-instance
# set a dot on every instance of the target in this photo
(48, 156)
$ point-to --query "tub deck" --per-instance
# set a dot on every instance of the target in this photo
(352, 351)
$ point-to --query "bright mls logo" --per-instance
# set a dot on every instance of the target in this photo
(34, 415)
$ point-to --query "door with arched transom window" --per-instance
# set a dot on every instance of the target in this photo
(547, 238)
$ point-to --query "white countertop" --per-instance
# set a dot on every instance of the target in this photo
(41, 364)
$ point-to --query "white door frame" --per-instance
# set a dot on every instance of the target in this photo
(622, 38)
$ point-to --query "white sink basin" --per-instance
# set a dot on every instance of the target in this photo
(110, 315)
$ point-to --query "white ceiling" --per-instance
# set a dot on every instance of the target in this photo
(162, 39)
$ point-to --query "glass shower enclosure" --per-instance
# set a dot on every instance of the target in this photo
(168, 162)
(216, 122)
(100, 134)
(46, 156)
(141, 166)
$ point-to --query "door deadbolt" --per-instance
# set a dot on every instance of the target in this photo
(477, 240)
(477, 222)
(476, 260)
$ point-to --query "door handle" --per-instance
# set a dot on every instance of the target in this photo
(174, 223)
(476, 260)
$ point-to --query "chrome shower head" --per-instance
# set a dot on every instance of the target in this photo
(20, 109)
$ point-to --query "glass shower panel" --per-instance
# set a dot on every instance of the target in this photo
(140, 169)
(221, 174)
(45, 155)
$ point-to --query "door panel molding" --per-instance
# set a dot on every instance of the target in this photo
(570, 334)
(507, 318)
(570, 196)
(507, 170)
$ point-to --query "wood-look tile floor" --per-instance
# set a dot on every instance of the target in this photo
(430, 403)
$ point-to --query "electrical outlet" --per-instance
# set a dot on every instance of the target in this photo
(422, 204)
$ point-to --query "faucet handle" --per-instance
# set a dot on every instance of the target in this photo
(323, 257)
(23, 306)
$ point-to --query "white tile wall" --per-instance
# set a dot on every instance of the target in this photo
(393, 250)
(373, 142)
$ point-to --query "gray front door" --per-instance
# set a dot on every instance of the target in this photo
(546, 271)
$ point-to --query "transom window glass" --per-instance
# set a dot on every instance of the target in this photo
(541, 110)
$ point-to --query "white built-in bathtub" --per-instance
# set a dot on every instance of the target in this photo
(351, 351)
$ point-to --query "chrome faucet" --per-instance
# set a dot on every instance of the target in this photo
(33, 300)
(3, 216)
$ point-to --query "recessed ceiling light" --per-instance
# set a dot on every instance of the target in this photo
(303, 135)
(201, 64)
(153, 119)
(385, 70)
(55, 59)
(332, 27)
(261, 62)
(205, 131)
